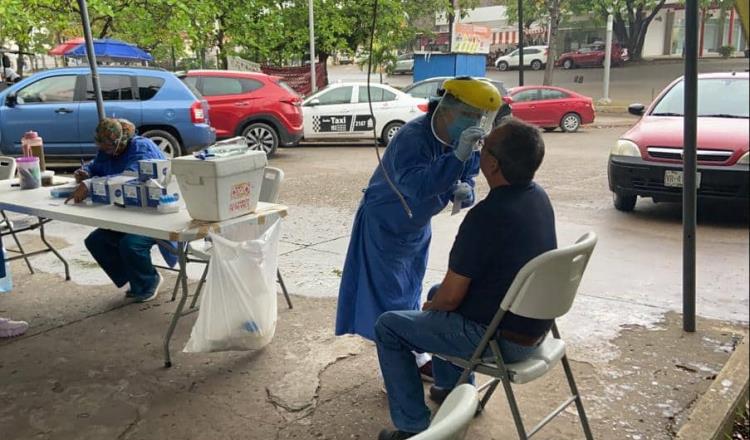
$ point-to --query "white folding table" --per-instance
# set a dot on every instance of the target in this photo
(177, 227)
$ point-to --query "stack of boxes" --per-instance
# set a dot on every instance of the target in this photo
(143, 190)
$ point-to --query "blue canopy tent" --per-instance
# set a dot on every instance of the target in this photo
(113, 50)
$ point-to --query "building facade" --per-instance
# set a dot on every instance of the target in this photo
(665, 35)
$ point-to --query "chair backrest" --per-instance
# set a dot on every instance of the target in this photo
(545, 287)
(269, 189)
(454, 415)
(7, 168)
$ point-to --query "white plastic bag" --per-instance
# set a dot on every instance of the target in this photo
(238, 304)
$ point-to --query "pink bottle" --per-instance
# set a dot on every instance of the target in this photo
(33, 145)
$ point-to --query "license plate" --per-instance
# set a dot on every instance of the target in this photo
(674, 179)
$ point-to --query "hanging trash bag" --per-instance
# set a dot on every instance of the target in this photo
(238, 306)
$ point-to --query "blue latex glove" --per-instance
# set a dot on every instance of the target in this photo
(467, 142)
(463, 194)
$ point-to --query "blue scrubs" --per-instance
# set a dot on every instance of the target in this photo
(139, 148)
(387, 255)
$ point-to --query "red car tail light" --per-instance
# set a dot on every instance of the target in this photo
(423, 107)
(196, 113)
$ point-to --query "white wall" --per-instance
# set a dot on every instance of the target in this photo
(492, 17)
(654, 43)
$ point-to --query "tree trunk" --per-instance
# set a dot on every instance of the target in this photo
(106, 28)
(722, 22)
(553, 7)
(222, 61)
(19, 60)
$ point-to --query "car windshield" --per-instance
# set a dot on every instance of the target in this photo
(717, 97)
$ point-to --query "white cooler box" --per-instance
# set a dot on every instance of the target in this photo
(220, 188)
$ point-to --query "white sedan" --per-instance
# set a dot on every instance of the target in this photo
(341, 111)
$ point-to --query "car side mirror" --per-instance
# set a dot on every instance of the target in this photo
(508, 100)
(313, 102)
(636, 109)
(11, 100)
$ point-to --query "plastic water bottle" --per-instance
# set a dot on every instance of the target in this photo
(6, 282)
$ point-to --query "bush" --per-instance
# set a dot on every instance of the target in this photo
(726, 51)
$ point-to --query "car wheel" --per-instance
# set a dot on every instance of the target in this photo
(570, 123)
(536, 65)
(549, 129)
(502, 66)
(567, 64)
(390, 130)
(261, 137)
(624, 203)
(166, 142)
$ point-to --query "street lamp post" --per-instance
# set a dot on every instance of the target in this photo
(313, 77)
(92, 57)
(689, 165)
(607, 60)
(520, 43)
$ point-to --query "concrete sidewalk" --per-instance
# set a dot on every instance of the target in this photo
(91, 367)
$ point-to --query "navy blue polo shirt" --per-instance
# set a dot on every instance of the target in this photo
(503, 232)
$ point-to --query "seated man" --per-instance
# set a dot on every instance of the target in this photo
(511, 226)
(126, 258)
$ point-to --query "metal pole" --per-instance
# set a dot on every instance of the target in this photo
(607, 59)
(92, 57)
(520, 43)
(313, 77)
(689, 191)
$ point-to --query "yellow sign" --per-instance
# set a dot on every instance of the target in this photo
(468, 38)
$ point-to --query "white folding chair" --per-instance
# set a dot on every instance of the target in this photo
(543, 289)
(454, 416)
(28, 223)
(198, 251)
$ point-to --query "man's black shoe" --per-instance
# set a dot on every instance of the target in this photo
(395, 435)
(438, 394)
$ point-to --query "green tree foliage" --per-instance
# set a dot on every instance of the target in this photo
(383, 60)
(266, 31)
(547, 13)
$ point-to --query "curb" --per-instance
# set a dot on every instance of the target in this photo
(713, 415)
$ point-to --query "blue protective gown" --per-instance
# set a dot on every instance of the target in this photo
(387, 255)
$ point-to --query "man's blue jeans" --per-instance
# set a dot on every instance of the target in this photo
(126, 258)
(397, 334)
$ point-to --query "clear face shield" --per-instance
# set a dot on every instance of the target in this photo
(452, 117)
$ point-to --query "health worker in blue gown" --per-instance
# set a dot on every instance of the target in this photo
(432, 161)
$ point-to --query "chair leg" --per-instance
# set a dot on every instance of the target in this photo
(200, 286)
(283, 288)
(509, 391)
(574, 389)
(579, 402)
(18, 242)
(488, 394)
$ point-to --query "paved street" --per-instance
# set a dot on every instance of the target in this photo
(90, 366)
(630, 83)
(574, 174)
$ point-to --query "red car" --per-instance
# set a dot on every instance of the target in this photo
(647, 160)
(552, 107)
(260, 107)
(592, 55)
